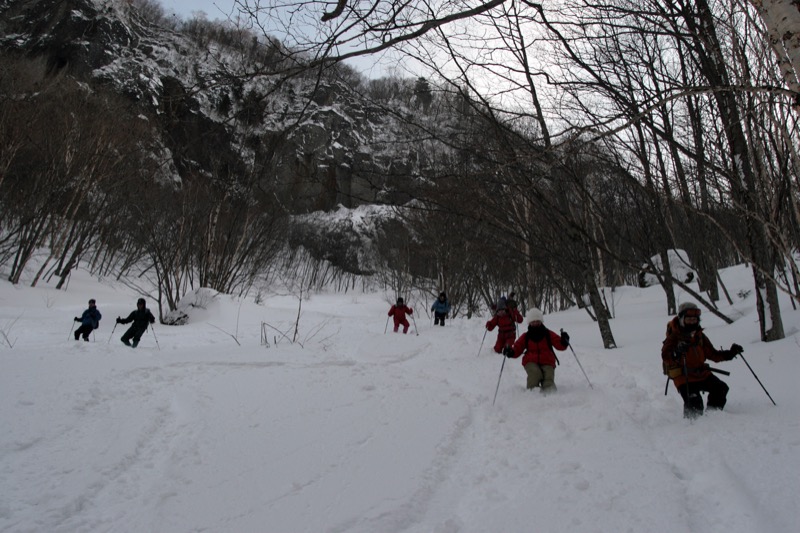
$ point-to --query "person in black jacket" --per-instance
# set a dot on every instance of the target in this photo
(140, 318)
(90, 320)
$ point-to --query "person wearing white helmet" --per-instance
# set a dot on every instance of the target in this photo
(538, 344)
(684, 353)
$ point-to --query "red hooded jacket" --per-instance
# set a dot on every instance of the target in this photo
(399, 313)
(505, 322)
(539, 352)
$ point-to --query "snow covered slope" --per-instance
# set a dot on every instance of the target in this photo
(361, 431)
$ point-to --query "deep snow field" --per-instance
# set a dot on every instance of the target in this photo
(355, 430)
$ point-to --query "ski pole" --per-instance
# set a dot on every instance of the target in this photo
(498, 379)
(712, 369)
(70, 329)
(153, 331)
(759, 381)
(579, 364)
(484, 338)
(686, 377)
(112, 333)
(416, 329)
(387, 325)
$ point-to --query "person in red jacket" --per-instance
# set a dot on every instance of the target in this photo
(684, 353)
(399, 312)
(505, 321)
(537, 343)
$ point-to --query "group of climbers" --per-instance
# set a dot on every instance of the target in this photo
(684, 352)
(141, 318)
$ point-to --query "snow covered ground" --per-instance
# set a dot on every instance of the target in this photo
(361, 431)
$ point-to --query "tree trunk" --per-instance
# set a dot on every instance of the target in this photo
(600, 311)
(744, 189)
(782, 19)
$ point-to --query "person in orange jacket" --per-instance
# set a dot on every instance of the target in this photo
(538, 343)
(399, 312)
(505, 321)
(684, 353)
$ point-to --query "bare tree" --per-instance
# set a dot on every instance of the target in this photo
(69, 151)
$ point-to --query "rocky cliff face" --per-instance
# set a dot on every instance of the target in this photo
(312, 142)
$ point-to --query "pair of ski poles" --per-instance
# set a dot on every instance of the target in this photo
(416, 329)
(152, 330)
(502, 366)
(666, 388)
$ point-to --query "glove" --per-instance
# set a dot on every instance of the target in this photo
(733, 352)
(508, 351)
(76, 319)
(680, 350)
(564, 338)
(119, 320)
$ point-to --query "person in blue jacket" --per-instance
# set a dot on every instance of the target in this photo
(90, 320)
(140, 317)
(440, 308)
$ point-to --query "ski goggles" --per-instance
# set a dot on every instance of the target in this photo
(692, 313)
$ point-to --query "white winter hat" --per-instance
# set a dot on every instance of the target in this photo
(534, 315)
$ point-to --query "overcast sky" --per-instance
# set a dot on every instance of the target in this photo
(221, 9)
(215, 9)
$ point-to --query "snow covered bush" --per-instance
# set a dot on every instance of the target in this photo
(679, 264)
(201, 298)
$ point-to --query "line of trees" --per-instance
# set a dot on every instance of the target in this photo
(596, 134)
(84, 180)
(556, 151)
